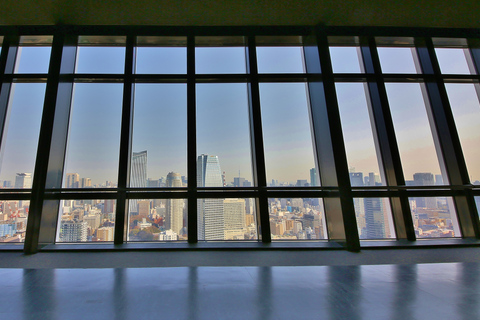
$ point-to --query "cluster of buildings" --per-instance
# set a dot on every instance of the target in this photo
(86, 220)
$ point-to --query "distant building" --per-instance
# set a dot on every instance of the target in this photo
(73, 231)
(313, 177)
(105, 234)
(138, 175)
(210, 211)
(174, 207)
(23, 180)
(72, 180)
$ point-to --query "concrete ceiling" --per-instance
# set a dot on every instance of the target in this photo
(411, 13)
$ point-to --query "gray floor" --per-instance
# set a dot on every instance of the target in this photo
(419, 283)
(407, 291)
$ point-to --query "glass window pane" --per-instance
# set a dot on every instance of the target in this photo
(397, 60)
(220, 60)
(226, 219)
(374, 218)
(358, 135)
(452, 60)
(345, 59)
(86, 221)
(161, 60)
(32, 59)
(297, 219)
(223, 135)
(20, 136)
(280, 60)
(94, 134)
(466, 111)
(287, 135)
(434, 217)
(100, 59)
(414, 136)
(158, 219)
(159, 134)
(13, 220)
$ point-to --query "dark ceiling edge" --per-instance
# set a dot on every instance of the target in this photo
(239, 30)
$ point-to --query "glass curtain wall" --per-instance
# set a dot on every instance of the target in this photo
(217, 136)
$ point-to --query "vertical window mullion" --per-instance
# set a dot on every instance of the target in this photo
(330, 150)
(192, 217)
(34, 222)
(385, 139)
(256, 136)
(125, 143)
(451, 159)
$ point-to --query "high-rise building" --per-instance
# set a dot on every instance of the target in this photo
(424, 179)
(210, 211)
(374, 218)
(234, 213)
(86, 183)
(72, 180)
(138, 175)
(174, 207)
(23, 180)
(73, 231)
(313, 177)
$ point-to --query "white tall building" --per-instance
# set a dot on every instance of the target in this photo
(174, 207)
(73, 231)
(211, 224)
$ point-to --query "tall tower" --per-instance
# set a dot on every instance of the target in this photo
(211, 224)
(174, 207)
(138, 175)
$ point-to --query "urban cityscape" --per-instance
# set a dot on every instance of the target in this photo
(224, 219)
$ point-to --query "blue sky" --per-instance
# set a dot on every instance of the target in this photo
(222, 114)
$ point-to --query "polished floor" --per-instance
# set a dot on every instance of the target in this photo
(400, 291)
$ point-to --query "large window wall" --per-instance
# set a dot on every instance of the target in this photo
(300, 134)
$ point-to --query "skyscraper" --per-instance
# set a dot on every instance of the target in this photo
(210, 211)
(174, 207)
(23, 180)
(313, 177)
(72, 180)
(138, 175)
(424, 179)
(374, 218)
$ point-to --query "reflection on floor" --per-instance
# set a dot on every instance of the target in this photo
(411, 291)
